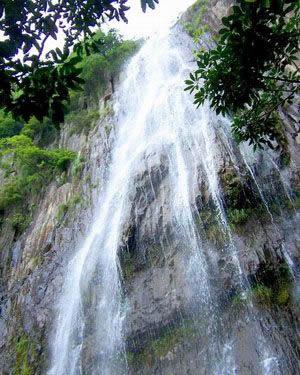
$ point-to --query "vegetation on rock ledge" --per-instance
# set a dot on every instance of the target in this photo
(26, 170)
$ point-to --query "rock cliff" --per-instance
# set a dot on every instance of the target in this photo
(166, 323)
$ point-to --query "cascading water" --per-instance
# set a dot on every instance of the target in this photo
(154, 116)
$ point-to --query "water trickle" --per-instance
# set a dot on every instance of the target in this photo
(259, 189)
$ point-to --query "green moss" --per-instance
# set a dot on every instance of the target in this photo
(207, 220)
(272, 287)
(284, 295)
(143, 358)
(237, 191)
(238, 217)
(37, 260)
(296, 201)
(67, 207)
(62, 210)
(127, 265)
(107, 129)
(262, 294)
(131, 264)
(243, 203)
(77, 167)
(238, 300)
(269, 297)
(265, 296)
(162, 345)
(154, 254)
(26, 356)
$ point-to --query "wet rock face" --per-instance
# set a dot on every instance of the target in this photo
(163, 324)
(33, 264)
(159, 303)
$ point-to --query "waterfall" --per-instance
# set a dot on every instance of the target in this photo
(154, 118)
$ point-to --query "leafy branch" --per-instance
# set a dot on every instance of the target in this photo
(252, 68)
(31, 85)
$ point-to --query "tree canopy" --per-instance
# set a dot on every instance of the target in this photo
(252, 70)
(34, 81)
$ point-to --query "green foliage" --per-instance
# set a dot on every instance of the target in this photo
(252, 70)
(28, 159)
(284, 295)
(29, 168)
(32, 128)
(42, 132)
(12, 192)
(34, 86)
(61, 159)
(19, 222)
(82, 120)
(8, 126)
(99, 68)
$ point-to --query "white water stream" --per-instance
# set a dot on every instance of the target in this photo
(152, 113)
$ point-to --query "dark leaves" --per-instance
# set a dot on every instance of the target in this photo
(149, 3)
(252, 70)
(27, 26)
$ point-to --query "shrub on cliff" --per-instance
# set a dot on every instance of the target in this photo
(99, 68)
(9, 126)
(27, 169)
